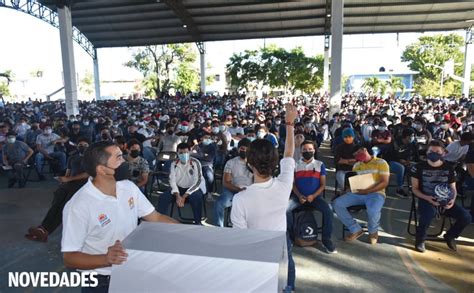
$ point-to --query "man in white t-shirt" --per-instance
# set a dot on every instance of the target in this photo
(236, 178)
(101, 214)
(263, 204)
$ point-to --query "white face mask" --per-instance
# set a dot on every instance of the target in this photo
(215, 129)
(48, 131)
(86, 123)
(261, 134)
(11, 140)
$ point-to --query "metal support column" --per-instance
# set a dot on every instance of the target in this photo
(467, 64)
(67, 52)
(326, 64)
(337, 25)
(202, 53)
(96, 76)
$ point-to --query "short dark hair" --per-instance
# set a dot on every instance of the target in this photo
(263, 156)
(467, 136)
(436, 143)
(133, 142)
(182, 146)
(84, 139)
(308, 142)
(356, 148)
(96, 155)
(120, 139)
(244, 143)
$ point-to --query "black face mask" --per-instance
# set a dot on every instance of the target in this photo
(242, 154)
(81, 149)
(234, 125)
(134, 153)
(105, 136)
(122, 172)
(170, 132)
(308, 155)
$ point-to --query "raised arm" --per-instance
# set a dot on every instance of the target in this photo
(290, 115)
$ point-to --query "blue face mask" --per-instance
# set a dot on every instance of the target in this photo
(207, 141)
(251, 138)
(434, 157)
(184, 157)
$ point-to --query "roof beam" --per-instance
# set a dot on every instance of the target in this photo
(180, 10)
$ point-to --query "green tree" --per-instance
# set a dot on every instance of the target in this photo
(159, 65)
(5, 79)
(187, 78)
(86, 85)
(372, 84)
(277, 68)
(437, 50)
(383, 88)
(395, 84)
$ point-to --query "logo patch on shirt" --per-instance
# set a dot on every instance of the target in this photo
(103, 220)
(191, 172)
(131, 203)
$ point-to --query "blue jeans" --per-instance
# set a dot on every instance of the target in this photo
(374, 203)
(208, 173)
(291, 265)
(427, 212)
(470, 186)
(341, 179)
(224, 201)
(320, 205)
(60, 156)
(194, 199)
(399, 170)
(149, 156)
(219, 160)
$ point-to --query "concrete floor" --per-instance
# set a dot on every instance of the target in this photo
(357, 267)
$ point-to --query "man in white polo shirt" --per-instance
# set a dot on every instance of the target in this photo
(101, 214)
(263, 204)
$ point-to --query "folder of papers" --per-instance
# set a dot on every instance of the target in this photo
(359, 182)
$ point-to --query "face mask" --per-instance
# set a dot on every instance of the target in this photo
(348, 139)
(134, 153)
(251, 138)
(96, 121)
(48, 131)
(278, 122)
(362, 157)
(215, 130)
(183, 158)
(122, 172)
(11, 140)
(434, 157)
(170, 132)
(444, 126)
(308, 125)
(261, 135)
(184, 128)
(105, 136)
(207, 141)
(81, 149)
(417, 126)
(43, 120)
(242, 154)
(234, 125)
(85, 123)
(222, 128)
(308, 155)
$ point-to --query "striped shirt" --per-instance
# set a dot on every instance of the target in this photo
(308, 175)
(376, 167)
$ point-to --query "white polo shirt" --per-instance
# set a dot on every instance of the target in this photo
(93, 221)
(263, 205)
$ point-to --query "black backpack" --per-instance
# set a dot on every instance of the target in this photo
(305, 228)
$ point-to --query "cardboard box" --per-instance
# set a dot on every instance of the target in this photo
(189, 258)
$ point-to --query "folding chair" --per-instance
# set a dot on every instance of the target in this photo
(158, 173)
(352, 209)
(413, 216)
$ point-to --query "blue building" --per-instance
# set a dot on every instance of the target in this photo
(355, 81)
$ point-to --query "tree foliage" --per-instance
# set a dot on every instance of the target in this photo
(277, 68)
(436, 49)
(372, 84)
(5, 79)
(86, 85)
(164, 67)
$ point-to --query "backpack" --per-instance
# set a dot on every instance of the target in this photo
(305, 228)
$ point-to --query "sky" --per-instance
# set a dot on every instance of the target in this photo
(29, 44)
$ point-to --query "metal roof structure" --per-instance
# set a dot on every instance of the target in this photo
(121, 23)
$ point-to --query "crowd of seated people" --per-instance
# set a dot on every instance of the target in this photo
(370, 135)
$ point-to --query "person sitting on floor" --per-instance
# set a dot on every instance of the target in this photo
(372, 197)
